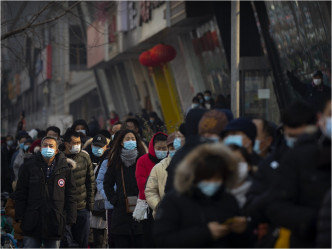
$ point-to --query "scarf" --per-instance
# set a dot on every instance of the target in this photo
(128, 157)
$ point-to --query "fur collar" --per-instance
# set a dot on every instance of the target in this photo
(71, 163)
(185, 172)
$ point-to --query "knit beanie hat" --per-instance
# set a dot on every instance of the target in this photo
(213, 121)
(241, 124)
(170, 139)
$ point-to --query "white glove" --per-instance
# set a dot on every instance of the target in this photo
(141, 209)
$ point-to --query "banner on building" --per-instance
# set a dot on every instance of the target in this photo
(44, 65)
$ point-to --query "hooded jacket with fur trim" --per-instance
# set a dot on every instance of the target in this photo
(84, 178)
(144, 166)
(45, 205)
(183, 215)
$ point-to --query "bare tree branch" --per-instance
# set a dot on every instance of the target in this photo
(31, 25)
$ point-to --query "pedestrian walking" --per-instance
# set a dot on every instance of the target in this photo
(81, 126)
(264, 138)
(200, 213)
(7, 151)
(121, 172)
(45, 195)
(155, 184)
(77, 234)
(98, 222)
(157, 151)
(209, 101)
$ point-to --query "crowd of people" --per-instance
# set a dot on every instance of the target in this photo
(217, 181)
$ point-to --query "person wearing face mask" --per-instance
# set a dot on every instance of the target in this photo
(127, 148)
(155, 185)
(296, 119)
(209, 101)
(81, 126)
(88, 147)
(200, 212)
(7, 151)
(315, 92)
(157, 151)
(27, 153)
(155, 123)
(194, 104)
(77, 235)
(242, 132)
(201, 100)
(302, 180)
(20, 155)
(264, 138)
(45, 196)
(98, 222)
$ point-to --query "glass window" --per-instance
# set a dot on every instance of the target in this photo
(302, 33)
(257, 95)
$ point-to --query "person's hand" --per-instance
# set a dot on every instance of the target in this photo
(218, 230)
(239, 224)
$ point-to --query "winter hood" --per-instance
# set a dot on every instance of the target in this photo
(185, 172)
(151, 148)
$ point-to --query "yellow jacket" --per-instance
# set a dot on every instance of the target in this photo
(155, 185)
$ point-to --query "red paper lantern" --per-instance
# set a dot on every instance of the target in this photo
(146, 60)
(162, 53)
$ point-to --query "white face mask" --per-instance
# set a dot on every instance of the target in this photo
(242, 171)
(317, 82)
(75, 149)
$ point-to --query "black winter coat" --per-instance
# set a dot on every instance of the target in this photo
(259, 194)
(182, 220)
(323, 239)
(121, 221)
(304, 176)
(45, 205)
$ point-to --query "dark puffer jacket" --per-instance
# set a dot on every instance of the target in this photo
(184, 213)
(304, 176)
(323, 239)
(85, 180)
(43, 205)
(122, 222)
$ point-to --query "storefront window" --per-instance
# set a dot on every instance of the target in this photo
(302, 33)
(258, 97)
(206, 60)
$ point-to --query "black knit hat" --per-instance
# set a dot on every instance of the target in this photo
(241, 124)
(317, 73)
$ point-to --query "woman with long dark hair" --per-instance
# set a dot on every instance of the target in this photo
(127, 148)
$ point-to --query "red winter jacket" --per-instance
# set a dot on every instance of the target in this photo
(144, 166)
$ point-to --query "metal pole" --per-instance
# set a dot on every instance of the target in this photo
(235, 58)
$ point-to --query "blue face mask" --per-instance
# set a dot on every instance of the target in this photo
(21, 146)
(172, 153)
(233, 139)
(256, 147)
(290, 141)
(10, 142)
(82, 131)
(209, 188)
(160, 154)
(26, 147)
(193, 106)
(177, 143)
(97, 151)
(129, 145)
(112, 137)
(47, 152)
(207, 98)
